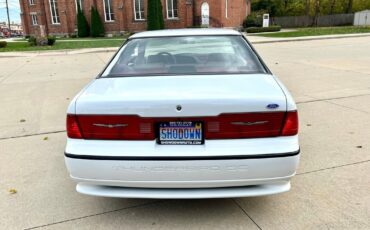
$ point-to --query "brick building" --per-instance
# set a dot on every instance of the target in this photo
(59, 16)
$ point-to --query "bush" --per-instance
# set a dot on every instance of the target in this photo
(263, 29)
(160, 15)
(253, 20)
(97, 27)
(42, 41)
(249, 22)
(155, 16)
(73, 36)
(32, 41)
(82, 26)
(3, 44)
(51, 40)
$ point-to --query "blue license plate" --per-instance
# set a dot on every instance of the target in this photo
(180, 133)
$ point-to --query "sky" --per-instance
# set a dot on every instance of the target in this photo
(14, 11)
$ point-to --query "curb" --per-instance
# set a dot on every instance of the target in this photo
(310, 39)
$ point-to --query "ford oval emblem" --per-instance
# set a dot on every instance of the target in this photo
(272, 106)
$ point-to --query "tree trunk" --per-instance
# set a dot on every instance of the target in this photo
(317, 12)
(307, 9)
(349, 7)
(332, 6)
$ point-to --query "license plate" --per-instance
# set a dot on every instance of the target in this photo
(180, 133)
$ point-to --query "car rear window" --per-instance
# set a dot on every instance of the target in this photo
(184, 55)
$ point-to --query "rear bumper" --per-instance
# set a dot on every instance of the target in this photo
(157, 179)
(189, 172)
(200, 193)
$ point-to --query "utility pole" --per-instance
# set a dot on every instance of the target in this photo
(7, 11)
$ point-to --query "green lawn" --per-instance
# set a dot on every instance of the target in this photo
(317, 31)
(78, 39)
(90, 38)
(97, 43)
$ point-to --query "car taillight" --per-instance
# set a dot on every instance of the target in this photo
(290, 127)
(224, 126)
(73, 129)
(116, 127)
(244, 125)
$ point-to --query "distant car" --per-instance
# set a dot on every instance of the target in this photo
(189, 113)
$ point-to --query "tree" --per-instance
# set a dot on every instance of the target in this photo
(155, 15)
(82, 26)
(317, 12)
(271, 6)
(96, 27)
(307, 7)
(349, 6)
(332, 6)
(160, 15)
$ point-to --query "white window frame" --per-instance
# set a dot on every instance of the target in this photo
(226, 6)
(34, 18)
(31, 2)
(172, 9)
(80, 2)
(110, 9)
(141, 13)
(55, 20)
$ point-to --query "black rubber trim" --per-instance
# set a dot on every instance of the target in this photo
(134, 158)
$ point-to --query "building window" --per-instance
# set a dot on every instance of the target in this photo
(32, 2)
(79, 3)
(108, 11)
(139, 9)
(54, 12)
(172, 9)
(226, 6)
(34, 19)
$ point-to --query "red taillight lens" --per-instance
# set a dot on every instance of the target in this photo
(73, 130)
(224, 126)
(244, 125)
(290, 127)
(116, 127)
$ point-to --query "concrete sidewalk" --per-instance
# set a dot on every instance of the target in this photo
(329, 79)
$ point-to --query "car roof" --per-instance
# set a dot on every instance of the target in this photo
(184, 32)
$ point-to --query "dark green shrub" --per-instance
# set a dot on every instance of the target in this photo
(82, 26)
(255, 19)
(249, 22)
(27, 36)
(3, 44)
(73, 36)
(51, 40)
(152, 21)
(41, 41)
(263, 29)
(32, 41)
(155, 15)
(160, 15)
(96, 27)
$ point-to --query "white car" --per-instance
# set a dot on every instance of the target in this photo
(188, 113)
